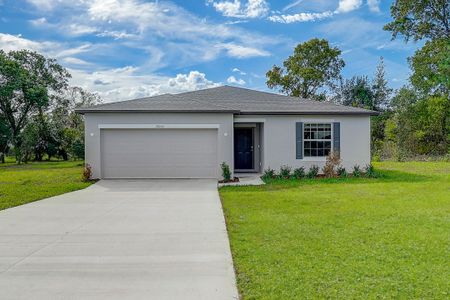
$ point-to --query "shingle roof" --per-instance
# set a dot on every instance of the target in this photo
(227, 99)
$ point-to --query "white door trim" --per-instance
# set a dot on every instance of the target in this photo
(158, 126)
(249, 120)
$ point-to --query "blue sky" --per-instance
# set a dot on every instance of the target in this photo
(125, 49)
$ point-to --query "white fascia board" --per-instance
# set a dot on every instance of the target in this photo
(158, 126)
(248, 120)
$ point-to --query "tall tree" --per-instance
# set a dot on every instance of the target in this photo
(380, 88)
(313, 65)
(431, 67)
(419, 19)
(27, 81)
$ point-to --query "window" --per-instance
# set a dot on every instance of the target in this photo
(317, 139)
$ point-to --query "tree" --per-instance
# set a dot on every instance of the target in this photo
(356, 92)
(420, 126)
(28, 81)
(68, 125)
(4, 138)
(380, 88)
(402, 124)
(359, 91)
(313, 65)
(420, 19)
(431, 67)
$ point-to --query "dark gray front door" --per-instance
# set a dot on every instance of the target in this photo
(243, 148)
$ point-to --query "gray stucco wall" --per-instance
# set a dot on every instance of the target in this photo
(278, 140)
(93, 120)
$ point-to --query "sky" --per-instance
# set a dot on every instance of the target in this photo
(125, 49)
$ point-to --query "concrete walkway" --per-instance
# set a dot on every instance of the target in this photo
(119, 239)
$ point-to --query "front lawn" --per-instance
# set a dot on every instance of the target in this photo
(20, 184)
(353, 238)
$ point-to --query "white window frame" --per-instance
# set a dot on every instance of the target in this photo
(317, 140)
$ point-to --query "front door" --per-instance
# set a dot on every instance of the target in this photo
(243, 148)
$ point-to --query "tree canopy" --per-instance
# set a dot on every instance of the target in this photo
(431, 67)
(419, 19)
(37, 106)
(360, 91)
(27, 82)
(313, 65)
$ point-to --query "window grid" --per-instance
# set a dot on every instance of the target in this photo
(316, 139)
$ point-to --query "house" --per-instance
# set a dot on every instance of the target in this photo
(188, 135)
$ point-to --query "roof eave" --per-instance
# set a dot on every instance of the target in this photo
(369, 113)
(83, 111)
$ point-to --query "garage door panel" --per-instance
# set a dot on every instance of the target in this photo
(153, 153)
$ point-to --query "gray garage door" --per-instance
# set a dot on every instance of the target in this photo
(159, 153)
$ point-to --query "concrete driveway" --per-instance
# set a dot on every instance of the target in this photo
(119, 239)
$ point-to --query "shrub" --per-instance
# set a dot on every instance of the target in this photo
(333, 162)
(226, 173)
(285, 172)
(313, 171)
(299, 173)
(268, 174)
(356, 171)
(87, 173)
(369, 171)
(341, 172)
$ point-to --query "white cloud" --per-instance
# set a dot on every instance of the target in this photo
(80, 29)
(183, 38)
(128, 83)
(239, 71)
(239, 51)
(39, 22)
(48, 5)
(189, 82)
(10, 42)
(300, 17)
(344, 6)
(374, 5)
(233, 80)
(348, 5)
(292, 4)
(235, 9)
(75, 61)
(70, 51)
(117, 35)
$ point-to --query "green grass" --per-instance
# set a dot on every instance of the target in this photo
(20, 184)
(354, 238)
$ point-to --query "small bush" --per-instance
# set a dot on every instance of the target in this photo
(299, 173)
(268, 174)
(356, 171)
(313, 171)
(285, 172)
(87, 173)
(369, 171)
(226, 173)
(333, 162)
(341, 172)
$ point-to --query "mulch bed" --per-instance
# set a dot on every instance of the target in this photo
(234, 179)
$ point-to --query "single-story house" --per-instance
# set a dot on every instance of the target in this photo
(189, 135)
